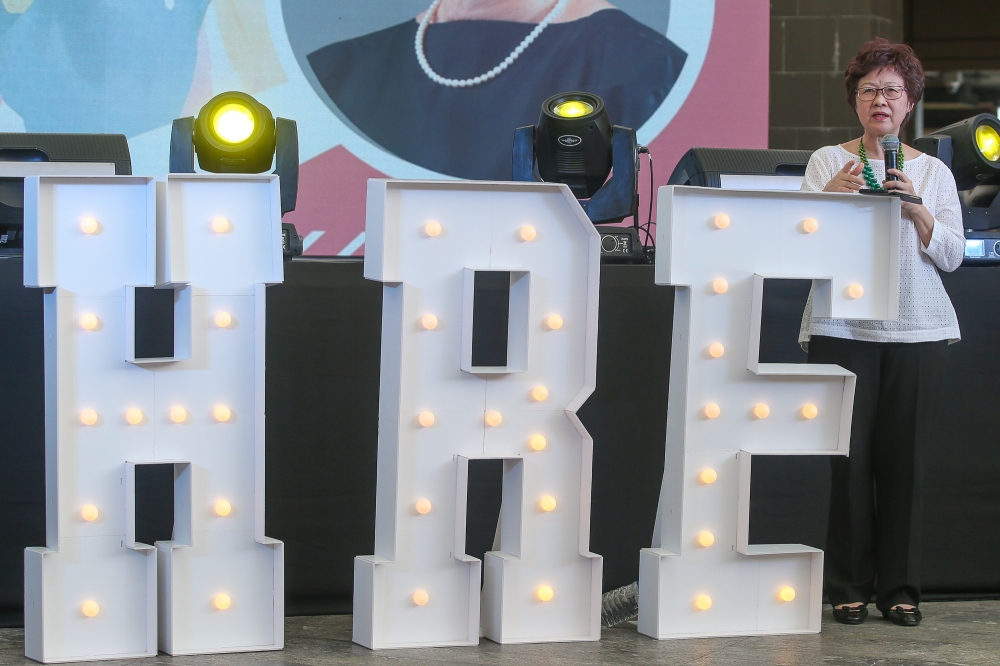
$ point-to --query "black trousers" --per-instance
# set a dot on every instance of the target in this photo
(876, 497)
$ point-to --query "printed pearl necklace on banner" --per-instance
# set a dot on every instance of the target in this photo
(482, 78)
(868, 173)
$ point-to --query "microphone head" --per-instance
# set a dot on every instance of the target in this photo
(890, 143)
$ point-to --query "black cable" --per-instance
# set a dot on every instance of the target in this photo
(647, 228)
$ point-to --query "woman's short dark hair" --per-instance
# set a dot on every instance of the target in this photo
(880, 53)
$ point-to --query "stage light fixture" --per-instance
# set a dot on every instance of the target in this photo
(971, 149)
(575, 143)
(708, 476)
(234, 133)
(537, 442)
(420, 597)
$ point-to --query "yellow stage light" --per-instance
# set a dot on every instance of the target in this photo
(537, 442)
(988, 142)
(420, 597)
(233, 122)
(545, 593)
(572, 109)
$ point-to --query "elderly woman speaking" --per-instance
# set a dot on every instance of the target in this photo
(874, 534)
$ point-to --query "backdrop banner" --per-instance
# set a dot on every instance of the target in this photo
(682, 73)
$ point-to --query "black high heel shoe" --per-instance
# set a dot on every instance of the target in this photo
(904, 617)
(850, 614)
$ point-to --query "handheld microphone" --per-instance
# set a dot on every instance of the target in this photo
(890, 147)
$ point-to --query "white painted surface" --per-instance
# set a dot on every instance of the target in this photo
(422, 371)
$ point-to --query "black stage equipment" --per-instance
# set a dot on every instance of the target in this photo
(706, 166)
(234, 133)
(28, 148)
(971, 149)
(576, 144)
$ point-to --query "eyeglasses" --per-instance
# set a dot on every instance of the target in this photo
(889, 92)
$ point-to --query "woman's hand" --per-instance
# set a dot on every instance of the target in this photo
(921, 217)
(847, 179)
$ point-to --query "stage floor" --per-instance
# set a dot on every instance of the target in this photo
(964, 633)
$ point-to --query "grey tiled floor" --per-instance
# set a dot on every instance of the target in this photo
(958, 633)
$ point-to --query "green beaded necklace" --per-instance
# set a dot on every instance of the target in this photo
(869, 175)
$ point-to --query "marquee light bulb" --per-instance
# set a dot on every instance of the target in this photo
(89, 513)
(88, 225)
(786, 593)
(708, 475)
(220, 225)
(537, 442)
(528, 233)
(134, 416)
(429, 322)
(432, 229)
(856, 290)
(88, 417)
(90, 608)
(720, 286)
(810, 225)
(223, 319)
(494, 418)
(178, 414)
(539, 393)
(810, 411)
(420, 597)
(706, 539)
(222, 413)
(423, 506)
(426, 419)
(721, 221)
(761, 411)
(222, 601)
(703, 602)
(223, 508)
(88, 321)
(554, 322)
(712, 410)
(548, 503)
(545, 593)
(716, 350)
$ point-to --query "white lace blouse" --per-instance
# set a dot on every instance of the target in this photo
(925, 311)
